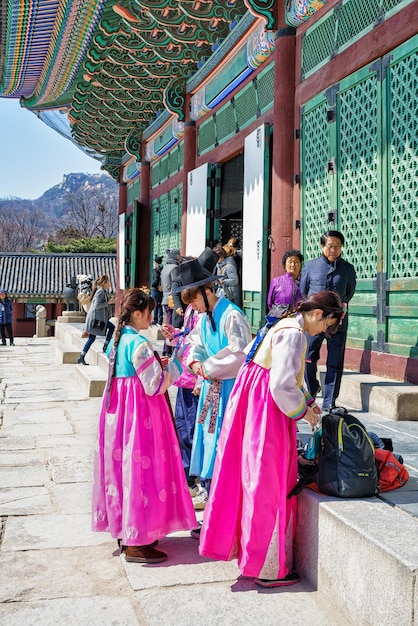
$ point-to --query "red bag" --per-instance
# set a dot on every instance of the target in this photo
(392, 474)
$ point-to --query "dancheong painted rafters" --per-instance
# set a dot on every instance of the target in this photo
(114, 65)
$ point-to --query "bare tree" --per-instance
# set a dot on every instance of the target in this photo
(21, 230)
(92, 213)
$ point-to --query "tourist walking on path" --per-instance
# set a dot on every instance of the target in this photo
(140, 493)
(97, 319)
(217, 352)
(6, 317)
(329, 271)
(248, 515)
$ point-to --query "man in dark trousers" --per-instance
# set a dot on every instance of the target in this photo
(331, 272)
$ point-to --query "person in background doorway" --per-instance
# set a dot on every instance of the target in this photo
(97, 320)
(248, 515)
(157, 290)
(173, 259)
(140, 492)
(6, 317)
(285, 289)
(331, 272)
(226, 268)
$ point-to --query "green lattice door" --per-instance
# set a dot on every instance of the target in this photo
(359, 164)
(166, 222)
(402, 199)
(357, 194)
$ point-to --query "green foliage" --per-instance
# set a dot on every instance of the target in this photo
(96, 245)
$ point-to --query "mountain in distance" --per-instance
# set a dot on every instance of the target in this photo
(54, 202)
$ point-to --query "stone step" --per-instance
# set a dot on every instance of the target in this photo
(91, 379)
(361, 555)
(365, 392)
(66, 355)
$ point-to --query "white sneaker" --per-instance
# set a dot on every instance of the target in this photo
(194, 491)
(199, 501)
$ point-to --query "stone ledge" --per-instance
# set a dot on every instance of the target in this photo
(389, 398)
(361, 555)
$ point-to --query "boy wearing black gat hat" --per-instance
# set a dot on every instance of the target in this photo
(217, 353)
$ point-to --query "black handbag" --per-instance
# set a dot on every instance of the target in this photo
(98, 324)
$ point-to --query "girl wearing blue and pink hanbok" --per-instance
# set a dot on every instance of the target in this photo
(140, 493)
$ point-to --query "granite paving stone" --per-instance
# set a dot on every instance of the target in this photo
(16, 458)
(82, 612)
(71, 468)
(28, 476)
(40, 532)
(25, 501)
(70, 440)
(72, 497)
(24, 430)
(11, 442)
(235, 603)
(36, 575)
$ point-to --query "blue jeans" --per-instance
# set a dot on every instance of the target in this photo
(158, 311)
(335, 366)
(110, 328)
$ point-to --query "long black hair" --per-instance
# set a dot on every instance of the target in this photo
(331, 305)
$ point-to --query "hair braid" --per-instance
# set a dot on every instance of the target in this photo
(133, 300)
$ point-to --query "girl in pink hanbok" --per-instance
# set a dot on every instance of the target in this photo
(257, 453)
(140, 493)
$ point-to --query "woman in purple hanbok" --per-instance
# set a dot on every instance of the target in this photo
(285, 289)
(140, 493)
(257, 454)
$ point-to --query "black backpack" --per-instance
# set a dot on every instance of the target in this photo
(346, 466)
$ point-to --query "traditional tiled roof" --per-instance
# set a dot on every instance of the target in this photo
(34, 275)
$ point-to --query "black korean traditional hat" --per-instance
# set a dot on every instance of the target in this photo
(196, 272)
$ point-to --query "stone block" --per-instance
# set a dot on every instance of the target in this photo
(66, 355)
(344, 545)
(92, 380)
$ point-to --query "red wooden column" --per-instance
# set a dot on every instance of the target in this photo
(282, 226)
(189, 165)
(144, 226)
(123, 198)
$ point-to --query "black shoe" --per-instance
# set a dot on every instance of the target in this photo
(3, 343)
(81, 360)
(12, 343)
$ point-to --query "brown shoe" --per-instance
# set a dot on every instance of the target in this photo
(122, 548)
(144, 554)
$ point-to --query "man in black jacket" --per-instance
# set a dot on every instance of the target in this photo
(331, 272)
(156, 289)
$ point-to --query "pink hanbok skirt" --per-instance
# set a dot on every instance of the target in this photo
(248, 515)
(140, 492)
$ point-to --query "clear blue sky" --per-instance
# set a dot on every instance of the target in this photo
(33, 157)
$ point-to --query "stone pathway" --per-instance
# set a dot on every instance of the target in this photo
(54, 570)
